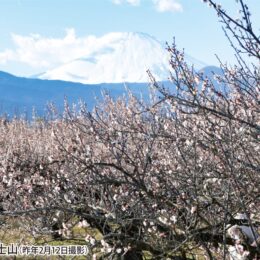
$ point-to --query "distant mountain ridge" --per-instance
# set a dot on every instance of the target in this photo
(20, 95)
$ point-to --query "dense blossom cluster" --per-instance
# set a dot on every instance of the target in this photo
(165, 179)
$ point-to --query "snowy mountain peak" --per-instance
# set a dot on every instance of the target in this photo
(114, 58)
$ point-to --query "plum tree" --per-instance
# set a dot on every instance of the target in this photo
(173, 178)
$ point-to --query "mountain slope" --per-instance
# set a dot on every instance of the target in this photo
(118, 57)
(19, 95)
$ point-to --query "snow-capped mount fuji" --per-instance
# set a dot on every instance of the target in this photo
(117, 58)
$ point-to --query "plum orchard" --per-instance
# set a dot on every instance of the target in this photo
(166, 179)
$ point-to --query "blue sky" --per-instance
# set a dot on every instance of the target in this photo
(24, 22)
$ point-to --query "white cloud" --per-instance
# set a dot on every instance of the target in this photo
(160, 5)
(38, 53)
(45, 52)
(168, 6)
(134, 2)
(131, 2)
(6, 55)
(117, 2)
